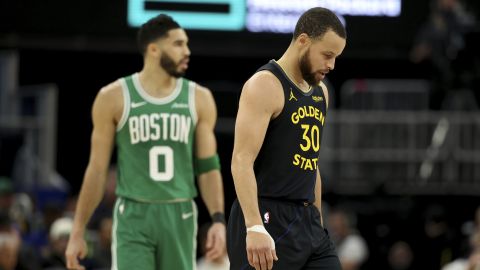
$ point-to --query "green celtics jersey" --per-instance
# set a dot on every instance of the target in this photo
(155, 139)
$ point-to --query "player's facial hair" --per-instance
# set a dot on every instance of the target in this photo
(306, 69)
(167, 63)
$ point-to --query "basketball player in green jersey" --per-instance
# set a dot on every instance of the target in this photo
(163, 127)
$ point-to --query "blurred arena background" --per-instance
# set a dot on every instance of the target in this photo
(401, 150)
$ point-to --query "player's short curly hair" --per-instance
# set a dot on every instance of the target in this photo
(315, 22)
(155, 28)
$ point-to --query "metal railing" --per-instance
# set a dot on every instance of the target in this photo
(420, 152)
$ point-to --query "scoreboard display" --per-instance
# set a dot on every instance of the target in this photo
(191, 14)
(276, 16)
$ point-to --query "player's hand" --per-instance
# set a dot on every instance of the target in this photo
(474, 261)
(76, 248)
(260, 251)
(9, 248)
(216, 241)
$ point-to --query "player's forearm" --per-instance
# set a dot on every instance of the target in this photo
(318, 195)
(90, 196)
(211, 190)
(246, 188)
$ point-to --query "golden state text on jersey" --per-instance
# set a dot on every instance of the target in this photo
(309, 120)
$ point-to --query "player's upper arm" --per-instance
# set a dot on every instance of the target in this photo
(325, 92)
(107, 108)
(206, 145)
(261, 100)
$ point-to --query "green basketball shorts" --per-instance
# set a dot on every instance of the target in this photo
(152, 236)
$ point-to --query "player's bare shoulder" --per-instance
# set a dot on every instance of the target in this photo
(266, 80)
(205, 103)
(264, 86)
(203, 94)
(111, 91)
(110, 99)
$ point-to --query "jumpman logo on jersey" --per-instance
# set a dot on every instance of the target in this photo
(292, 96)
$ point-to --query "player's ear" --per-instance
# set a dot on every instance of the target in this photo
(303, 40)
(153, 49)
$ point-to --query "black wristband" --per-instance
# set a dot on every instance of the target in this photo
(218, 217)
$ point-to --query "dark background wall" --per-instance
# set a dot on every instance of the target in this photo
(81, 46)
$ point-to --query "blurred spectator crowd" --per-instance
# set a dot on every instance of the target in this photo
(36, 238)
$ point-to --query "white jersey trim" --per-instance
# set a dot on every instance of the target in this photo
(126, 105)
(195, 232)
(154, 100)
(191, 99)
(114, 234)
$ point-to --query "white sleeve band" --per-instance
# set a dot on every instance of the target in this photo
(261, 229)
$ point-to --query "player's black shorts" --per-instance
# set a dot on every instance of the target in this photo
(300, 241)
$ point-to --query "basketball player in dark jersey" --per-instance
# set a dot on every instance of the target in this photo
(276, 221)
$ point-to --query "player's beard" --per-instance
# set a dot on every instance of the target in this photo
(167, 63)
(306, 69)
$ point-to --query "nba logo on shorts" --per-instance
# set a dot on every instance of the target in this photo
(266, 217)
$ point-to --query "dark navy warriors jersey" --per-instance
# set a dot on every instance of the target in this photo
(287, 163)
